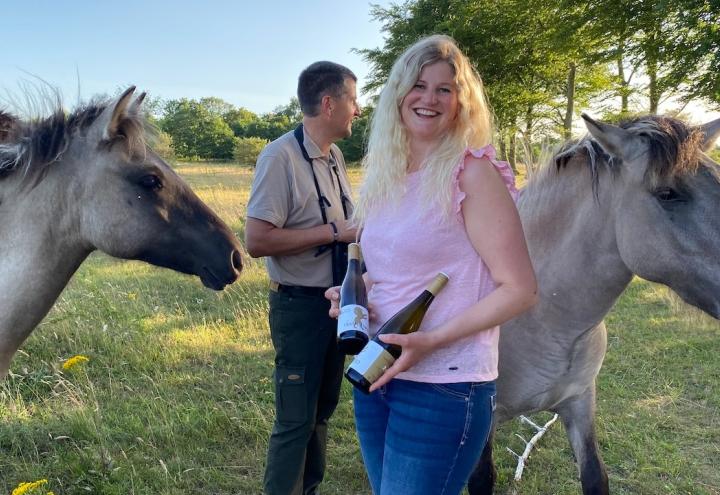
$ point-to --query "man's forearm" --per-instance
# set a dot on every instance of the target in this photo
(275, 241)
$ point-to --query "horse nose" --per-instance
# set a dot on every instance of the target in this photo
(236, 258)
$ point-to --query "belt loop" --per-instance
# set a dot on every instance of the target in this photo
(274, 286)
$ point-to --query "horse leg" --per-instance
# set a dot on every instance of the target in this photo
(578, 416)
(482, 479)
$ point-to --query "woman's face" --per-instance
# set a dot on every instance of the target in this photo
(429, 109)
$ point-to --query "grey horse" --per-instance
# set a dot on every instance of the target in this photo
(640, 199)
(74, 183)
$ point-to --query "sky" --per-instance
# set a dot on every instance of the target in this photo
(249, 53)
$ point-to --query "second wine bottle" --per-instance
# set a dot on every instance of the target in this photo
(377, 356)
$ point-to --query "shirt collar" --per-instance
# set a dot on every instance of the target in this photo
(313, 150)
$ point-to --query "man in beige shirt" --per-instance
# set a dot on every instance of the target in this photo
(298, 207)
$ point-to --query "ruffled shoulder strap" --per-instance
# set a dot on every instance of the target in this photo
(488, 152)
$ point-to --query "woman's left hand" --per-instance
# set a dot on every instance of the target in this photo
(415, 346)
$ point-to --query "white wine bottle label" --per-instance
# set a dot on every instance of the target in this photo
(372, 361)
(353, 317)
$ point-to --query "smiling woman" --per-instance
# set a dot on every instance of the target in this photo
(430, 107)
(436, 200)
(71, 184)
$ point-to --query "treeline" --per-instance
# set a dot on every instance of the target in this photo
(544, 61)
(211, 128)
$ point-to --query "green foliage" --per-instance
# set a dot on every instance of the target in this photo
(675, 44)
(247, 149)
(715, 154)
(161, 143)
(239, 119)
(540, 60)
(353, 148)
(523, 50)
(292, 110)
(197, 130)
(270, 126)
(210, 127)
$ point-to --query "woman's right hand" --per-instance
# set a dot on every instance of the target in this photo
(333, 295)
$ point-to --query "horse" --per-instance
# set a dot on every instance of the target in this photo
(638, 198)
(74, 183)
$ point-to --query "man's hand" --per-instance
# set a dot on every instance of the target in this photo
(347, 232)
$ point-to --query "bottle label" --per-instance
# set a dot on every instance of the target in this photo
(353, 317)
(372, 361)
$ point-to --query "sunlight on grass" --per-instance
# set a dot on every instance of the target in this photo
(177, 395)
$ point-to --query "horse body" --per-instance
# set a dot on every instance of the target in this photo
(73, 184)
(590, 228)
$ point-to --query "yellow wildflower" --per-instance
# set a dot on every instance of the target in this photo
(24, 487)
(74, 361)
(132, 295)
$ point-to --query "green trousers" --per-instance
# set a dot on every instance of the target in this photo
(308, 375)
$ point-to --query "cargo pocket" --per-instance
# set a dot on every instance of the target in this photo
(290, 396)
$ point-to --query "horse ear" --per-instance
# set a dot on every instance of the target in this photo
(119, 112)
(612, 138)
(135, 107)
(711, 130)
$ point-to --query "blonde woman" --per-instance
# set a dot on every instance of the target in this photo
(435, 199)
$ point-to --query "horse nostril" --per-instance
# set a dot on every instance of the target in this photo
(237, 260)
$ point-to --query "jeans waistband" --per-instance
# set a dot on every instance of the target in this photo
(298, 289)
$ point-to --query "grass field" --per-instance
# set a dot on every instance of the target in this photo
(176, 397)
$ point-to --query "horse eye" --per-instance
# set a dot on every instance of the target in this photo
(667, 195)
(151, 182)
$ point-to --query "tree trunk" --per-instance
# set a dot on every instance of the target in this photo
(526, 144)
(511, 149)
(502, 136)
(570, 94)
(624, 92)
(651, 60)
(654, 93)
(529, 121)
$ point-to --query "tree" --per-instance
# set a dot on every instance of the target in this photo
(534, 67)
(269, 126)
(292, 110)
(161, 143)
(675, 44)
(247, 149)
(239, 119)
(354, 147)
(196, 130)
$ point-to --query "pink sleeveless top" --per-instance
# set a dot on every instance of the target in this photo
(405, 245)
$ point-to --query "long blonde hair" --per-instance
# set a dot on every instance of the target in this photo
(386, 161)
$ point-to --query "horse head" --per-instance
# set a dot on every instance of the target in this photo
(134, 206)
(665, 198)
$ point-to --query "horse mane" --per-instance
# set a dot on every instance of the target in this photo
(7, 122)
(37, 143)
(674, 149)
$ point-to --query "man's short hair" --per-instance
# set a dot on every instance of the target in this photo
(318, 80)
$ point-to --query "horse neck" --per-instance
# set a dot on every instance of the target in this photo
(39, 252)
(572, 243)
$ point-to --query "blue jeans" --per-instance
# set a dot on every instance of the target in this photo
(423, 438)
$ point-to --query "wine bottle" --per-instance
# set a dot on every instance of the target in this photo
(353, 321)
(377, 356)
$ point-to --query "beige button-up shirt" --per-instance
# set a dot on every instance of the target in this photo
(283, 193)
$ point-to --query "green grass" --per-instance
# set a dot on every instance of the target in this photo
(177, 395)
